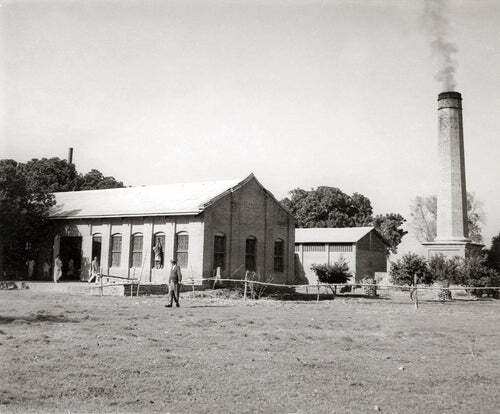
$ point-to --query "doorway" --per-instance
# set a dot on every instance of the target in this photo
(70, 252)
(96, 248)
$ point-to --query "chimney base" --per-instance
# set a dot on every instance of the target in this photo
(452, 248)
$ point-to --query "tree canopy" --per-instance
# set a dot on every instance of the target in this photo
(95, 180)
(423, 212)
(54, 174)
(331, 207)
(493, 253)
(23, 214)
(26, 197)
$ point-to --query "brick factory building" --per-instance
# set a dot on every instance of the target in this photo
(235, 225)
(362, 247)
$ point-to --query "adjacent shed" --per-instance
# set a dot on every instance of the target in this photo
(363, 248)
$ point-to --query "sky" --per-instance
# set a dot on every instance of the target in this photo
(301, 93)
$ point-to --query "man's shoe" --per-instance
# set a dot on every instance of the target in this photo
(177, 305)
(168, 306)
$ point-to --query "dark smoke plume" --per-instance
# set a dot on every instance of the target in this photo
(437, 26)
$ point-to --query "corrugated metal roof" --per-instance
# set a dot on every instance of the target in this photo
(151, 200)
(331, 235)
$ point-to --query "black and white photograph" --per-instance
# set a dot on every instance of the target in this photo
(250, 206)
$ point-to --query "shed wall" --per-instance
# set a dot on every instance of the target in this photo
(371, 256)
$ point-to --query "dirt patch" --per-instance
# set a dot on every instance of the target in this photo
(36, 318)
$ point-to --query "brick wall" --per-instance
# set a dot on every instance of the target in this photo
(249, 212)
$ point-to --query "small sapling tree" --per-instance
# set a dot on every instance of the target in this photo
(444, 271)
(410, 268)
(337, 272)
(404, 270)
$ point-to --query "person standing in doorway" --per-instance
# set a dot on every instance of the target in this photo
(94, 270)
(57, 269)
(174, 282)
(158, 251)
(46, 270)
(71, 268)
(31, 268)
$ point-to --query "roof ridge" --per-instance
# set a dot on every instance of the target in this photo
(153, 185)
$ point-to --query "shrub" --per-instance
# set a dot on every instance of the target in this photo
(403, 270)
(335, 273)
(443, 271)
(474, 272)
(255, 290)
(369, 290)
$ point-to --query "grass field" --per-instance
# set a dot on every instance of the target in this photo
(350, 355)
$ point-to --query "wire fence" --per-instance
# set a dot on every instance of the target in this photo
(120, 281)
(335, 287)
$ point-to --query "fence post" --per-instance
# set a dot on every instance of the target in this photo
(245, 290)
(102, 287)
(317, 297)
(416, 290)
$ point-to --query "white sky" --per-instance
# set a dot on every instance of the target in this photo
(302, 93)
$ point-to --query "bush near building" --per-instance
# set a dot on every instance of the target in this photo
(338, 272)
(470, 271)
(402, 271)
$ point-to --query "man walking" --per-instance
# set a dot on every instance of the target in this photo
(174, 282)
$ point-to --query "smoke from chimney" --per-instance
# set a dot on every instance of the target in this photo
(436, 25)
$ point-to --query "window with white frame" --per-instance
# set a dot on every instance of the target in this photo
(136, 250)
(116, 250)
(182, 249)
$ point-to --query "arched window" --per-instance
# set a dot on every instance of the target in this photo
(158, 250)
(96, 247)
(136, 248)
(219, 251)
(116, 250)
(182, 248)
(251, 253)
(279, 256)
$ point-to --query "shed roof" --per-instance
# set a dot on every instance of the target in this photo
(331, 235)
(151, 200)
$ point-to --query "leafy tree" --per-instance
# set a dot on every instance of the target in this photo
(473, 271)
(402, 271)
(444, 269)
(493, 254)
(23, 215)
(55, 174)
(389, 227)
(95, 180)
(338, 272)
(50, 175)
(424, 217)
(330, 207)
(26, 197)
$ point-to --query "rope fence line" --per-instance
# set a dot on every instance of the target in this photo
(413, 289)
(356, 285)
(129, 281)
